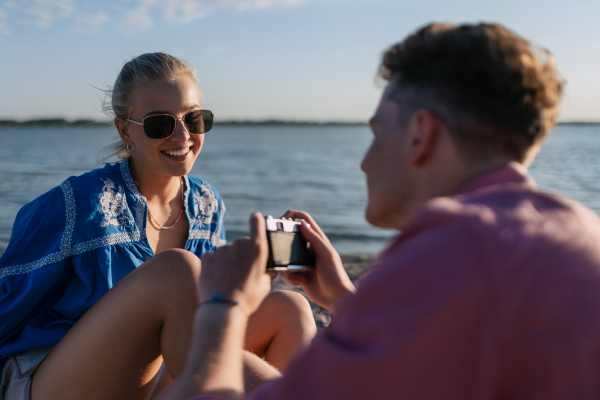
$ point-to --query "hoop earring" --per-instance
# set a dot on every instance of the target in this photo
(132, 147)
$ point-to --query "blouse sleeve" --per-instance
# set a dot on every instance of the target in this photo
(37, 260)
(207, 216)
(220, 235)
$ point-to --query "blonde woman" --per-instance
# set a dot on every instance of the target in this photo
(98, 283)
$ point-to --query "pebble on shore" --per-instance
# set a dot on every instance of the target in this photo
(356, 266)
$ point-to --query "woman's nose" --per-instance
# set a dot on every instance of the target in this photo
(181, 133)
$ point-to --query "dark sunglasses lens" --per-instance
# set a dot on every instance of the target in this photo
(198, 121)
(159, 126)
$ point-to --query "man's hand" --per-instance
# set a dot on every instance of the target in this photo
(329, 281)
(237, 272)
(216, 360)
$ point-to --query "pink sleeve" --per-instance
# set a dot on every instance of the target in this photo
(419, 326)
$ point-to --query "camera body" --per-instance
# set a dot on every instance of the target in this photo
(288, 250)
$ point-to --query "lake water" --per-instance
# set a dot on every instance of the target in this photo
(273, 168)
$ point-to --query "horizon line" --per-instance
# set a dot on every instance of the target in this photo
(63, 122)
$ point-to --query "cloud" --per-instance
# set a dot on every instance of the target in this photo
(248, 4)
(128, 16)
(144, 14)
(4, 28)
(44, 13)
(93, 22)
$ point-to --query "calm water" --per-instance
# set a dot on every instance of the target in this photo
(272, 169)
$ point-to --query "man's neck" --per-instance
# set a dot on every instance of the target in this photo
(447, 179)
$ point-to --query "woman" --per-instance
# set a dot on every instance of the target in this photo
(137, 228)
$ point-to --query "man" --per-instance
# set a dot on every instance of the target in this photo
(491, 290)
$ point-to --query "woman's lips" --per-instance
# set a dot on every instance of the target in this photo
(178, 153)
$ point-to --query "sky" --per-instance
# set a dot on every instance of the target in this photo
(286, 59)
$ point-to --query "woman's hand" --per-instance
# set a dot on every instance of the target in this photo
(329, 281)
(238, 271)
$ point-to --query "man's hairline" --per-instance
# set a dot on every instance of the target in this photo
(436, 106)
(428, 99)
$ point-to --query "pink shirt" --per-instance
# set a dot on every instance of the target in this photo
(491, 293)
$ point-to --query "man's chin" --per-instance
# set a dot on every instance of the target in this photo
(380, 220)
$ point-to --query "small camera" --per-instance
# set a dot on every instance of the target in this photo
(288, 250)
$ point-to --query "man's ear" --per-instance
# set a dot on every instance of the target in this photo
(122, 127)
(425, 130)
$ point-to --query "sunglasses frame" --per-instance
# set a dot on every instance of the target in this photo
(175, 126)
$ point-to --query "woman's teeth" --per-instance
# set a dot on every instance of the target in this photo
(178, 152)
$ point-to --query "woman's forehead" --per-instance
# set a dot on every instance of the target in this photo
(175, 96)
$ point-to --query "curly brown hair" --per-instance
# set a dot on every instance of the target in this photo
(494, 90)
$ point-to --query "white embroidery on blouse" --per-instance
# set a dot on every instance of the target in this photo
(199, 234)
(114, 206)
(140, 214)
(207, 205)
(216, 236)
(122, 237)
(108, 240)
(66, 241)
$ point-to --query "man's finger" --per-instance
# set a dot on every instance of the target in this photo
(257, 228)
(318, 243)
(308, 218)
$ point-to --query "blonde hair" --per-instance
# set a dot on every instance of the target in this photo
(119, 99)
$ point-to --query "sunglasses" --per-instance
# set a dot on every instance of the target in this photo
(163, 126)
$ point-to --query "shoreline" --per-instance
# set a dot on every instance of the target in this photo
(89, 123)
(355, 265)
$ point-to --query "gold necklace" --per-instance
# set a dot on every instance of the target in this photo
(159, 226)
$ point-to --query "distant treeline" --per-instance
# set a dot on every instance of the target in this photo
(289, 122)
(52, 122)
(61, 122)
(578, 123)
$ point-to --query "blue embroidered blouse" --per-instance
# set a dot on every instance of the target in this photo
(72, 244)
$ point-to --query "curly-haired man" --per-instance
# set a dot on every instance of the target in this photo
(490, 290)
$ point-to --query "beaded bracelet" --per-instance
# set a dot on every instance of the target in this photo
(219, 299)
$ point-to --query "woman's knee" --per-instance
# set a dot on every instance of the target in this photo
(173, 265)
(291, 308)
(168, 275)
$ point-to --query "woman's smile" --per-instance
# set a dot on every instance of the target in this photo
(178, 153)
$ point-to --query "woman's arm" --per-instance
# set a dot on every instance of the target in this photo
(35, 264)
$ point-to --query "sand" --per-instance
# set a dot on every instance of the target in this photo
(356, 266)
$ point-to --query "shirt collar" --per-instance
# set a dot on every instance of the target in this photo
(513, 172)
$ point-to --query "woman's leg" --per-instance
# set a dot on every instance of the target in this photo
(114, 350)
(282, 325)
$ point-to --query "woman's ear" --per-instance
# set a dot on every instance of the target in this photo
(122, 127)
